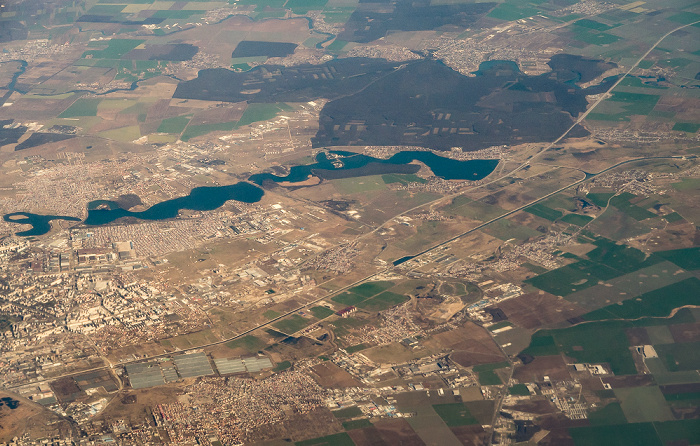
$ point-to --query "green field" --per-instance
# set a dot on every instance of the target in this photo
(490, 367)
(115, 49)
(571, 278)
(680, 357)
(292, 324)
(370, 289)
(105, 10)
(657, 303)
(576, 219)
(600, 199)
(249, 342)
(402, 178)
(629, 103)
(349, 299)
(610, 414)
(489, 378)
(383, 301)
(595, 38)
(607, 261)
(594, 343)
(348, 412)
(639, 434)
(509, 12)
(620, 257)
(477, 210)
(272, 314)
(258, 112)
(543, 211)
(261, 4)
(685, 17)
(241, 67)
(506, 229)
(81, 107)
(275, 333)
(693, 397)
(321, 312)
(687, 184)
(592, 24)
(519, 390)
(631, 81)
(356, 424)
(343, 324)
(355, 348)
(455, 414)
(359, 184)
(175, 14)
(686, 258)
(193, 131)
(679, 431)
(606, 341)
(641, 404)
(173, 125)
(535, 268)
(284, 365)
(336, 45)
(689, 127)
(673, 217)
(341, 439)
(622, 202)
(125, 134)
(304, 6)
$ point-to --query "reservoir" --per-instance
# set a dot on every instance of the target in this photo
(40, 223)
(331, 165)
(339, 164)
(199, 199)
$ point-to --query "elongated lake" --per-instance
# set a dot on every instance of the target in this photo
(335, 164)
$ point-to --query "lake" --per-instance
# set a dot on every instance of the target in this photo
(199, 199)
(342, 164)
(41, 224)
(335, 164)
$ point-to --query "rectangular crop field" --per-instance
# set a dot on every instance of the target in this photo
(292, 323)
(173, 125)
(638, 434)
(687, 258)
(341, 439)
(455, 414)
(383, 301)
(680, 357)
(657, 303)
(81, 107)
(321, 312)
(543, 211)
(249, 342)
(348, 299)
(370, 289)
(576, 219)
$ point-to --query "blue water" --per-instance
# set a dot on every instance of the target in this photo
(199, 199)
(446, 168)
(41, 224)
(489, 67)
(349, 164)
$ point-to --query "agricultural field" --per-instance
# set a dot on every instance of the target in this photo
(371, 296)
(607, 261)
(607, 342)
